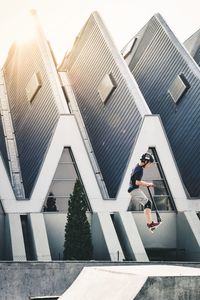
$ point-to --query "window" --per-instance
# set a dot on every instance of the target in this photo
(178, 87)
(128, 48)
(160, 192)
(62, 184)
(32, 87)
(106, 87)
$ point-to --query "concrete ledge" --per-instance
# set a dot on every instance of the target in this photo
(168, 288)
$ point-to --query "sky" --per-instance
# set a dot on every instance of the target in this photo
(62, 20)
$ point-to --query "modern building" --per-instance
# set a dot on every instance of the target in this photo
(91, 119)
(169, 79)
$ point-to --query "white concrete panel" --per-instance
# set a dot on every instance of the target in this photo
(130, 235)
(40, 240)
(16, 236)
(110, 236)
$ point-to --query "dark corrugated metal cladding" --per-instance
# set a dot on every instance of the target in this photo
(112, 127)
(33, 122)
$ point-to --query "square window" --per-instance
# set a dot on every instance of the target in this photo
(106, 87)
(32, 87)
(128, 48)
(178, 87)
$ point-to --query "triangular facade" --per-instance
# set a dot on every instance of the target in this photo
(90, 120)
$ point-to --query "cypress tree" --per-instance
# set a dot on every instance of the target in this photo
(78, 242)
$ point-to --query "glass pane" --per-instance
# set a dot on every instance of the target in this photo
(162, 202)
(65, 171)
(62, 188)
(152, 172)
(106, 87)
(159, 187)
(60, 204)
(66, 157)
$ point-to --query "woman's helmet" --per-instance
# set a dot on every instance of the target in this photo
(147, 157)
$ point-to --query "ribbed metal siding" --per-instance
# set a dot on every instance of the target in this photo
(3, 147)
(155, 70)
(142, 43)
(33, 122)
(112, 127)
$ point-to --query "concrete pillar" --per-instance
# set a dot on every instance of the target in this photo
(16, 237)
(39, 235)
(105, 234)
(129, 236)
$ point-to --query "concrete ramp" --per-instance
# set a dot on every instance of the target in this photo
(130, 282)
(99, 283)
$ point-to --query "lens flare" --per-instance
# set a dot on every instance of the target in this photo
(24, 29)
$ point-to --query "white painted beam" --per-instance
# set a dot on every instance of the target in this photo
(16, 236)
(39, 234)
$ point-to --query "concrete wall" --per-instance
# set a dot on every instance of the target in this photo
(167, 288)
(55, 225)
(188, 236)
(24, 279)
(164, 236)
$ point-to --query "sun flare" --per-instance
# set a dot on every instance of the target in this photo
(24, 28)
